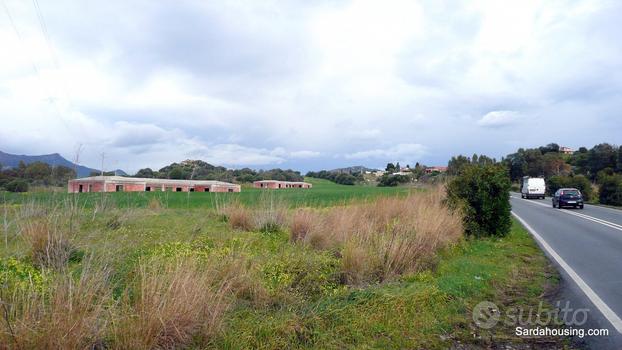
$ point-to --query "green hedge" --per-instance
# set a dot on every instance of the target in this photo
(579, 182)
(483, 193)
(611, 190)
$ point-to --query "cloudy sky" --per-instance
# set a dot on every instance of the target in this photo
(306, 84)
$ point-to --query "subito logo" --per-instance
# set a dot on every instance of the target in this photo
(486, 315)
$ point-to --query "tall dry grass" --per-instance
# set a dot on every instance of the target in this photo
(269, 215)
(70, 313)
(50, 245)
(384, 238)
(239, 217)
(170, 306)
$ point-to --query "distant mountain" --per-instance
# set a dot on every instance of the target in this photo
(8, 160)
(357, 169)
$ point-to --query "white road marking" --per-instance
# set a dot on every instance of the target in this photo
(598, 220)
(613, 225)
(611, 316)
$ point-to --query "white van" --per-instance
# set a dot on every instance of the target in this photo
(533, 187)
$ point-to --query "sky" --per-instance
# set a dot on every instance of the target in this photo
(307, 85)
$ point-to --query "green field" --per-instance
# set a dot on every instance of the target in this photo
(323, 193)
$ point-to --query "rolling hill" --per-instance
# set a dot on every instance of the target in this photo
(8, 160)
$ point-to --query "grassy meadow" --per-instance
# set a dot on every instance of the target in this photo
(329, 268)
(324, 193)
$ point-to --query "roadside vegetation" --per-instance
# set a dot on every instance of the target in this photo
(386, 268)
(596, 172)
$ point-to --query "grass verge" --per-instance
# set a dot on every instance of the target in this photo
(431, 310)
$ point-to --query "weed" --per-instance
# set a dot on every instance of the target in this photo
(169, 305)
(49, 244)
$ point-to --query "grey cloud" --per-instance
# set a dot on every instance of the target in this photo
(247, 83)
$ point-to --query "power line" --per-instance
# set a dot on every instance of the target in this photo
(46, 34)
(19, 36)
(35, 68)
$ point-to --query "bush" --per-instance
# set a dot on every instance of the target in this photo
(388, 180)
(17, 186)
(579, 182)
(345, 179)
(483, 193)
(611, 190)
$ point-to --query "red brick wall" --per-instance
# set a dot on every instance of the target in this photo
(275, 185)
(74, 186)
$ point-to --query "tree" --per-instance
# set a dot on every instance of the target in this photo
(456, 164)
(535, 163)
(390, 168)
(482, 192)
(345, 179)
(611, 190)
(17, 185)
(176, 173)
(579, 182)
(600, 157)
(474, 159)
(516, 164)
(554, 164)
(579, 161)
(146, 173)
(388, 180)
(551, 147)
(37, 171)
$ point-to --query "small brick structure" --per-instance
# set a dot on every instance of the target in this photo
(275, 184)
(135, 184)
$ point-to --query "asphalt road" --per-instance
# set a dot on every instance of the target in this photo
(586, 247)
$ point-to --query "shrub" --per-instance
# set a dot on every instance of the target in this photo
(483, 194)
(611, 190)
(16, 186)
(389, 180)
(345, 179)
(15, 274)
(579, 182)
(303, 273)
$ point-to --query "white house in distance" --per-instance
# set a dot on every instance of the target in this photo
(565, 150)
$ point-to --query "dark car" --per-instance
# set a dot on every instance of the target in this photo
(568, 197)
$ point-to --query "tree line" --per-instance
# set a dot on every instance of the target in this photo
(340, 178)
(598, 168)
(20, 178)
(200, 170)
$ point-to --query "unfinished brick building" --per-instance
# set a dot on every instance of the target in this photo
(275, 184)
(134, 184)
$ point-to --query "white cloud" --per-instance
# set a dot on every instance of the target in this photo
(496, 119)
(401, 152)
(304, 154)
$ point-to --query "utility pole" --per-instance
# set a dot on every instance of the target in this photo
(102, 168)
